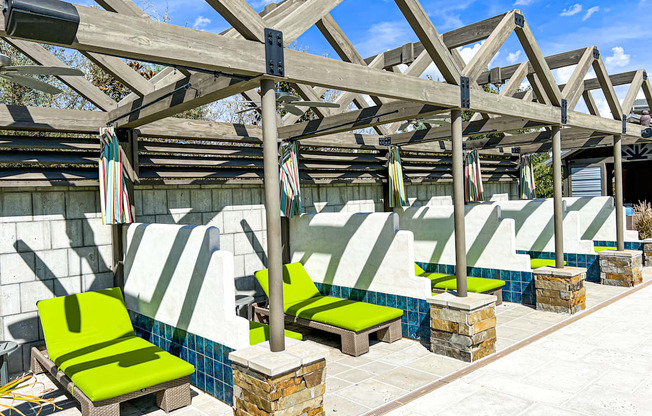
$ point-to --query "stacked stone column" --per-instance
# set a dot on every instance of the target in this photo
(621, 268)
(560, 290)
(285, 383)
(463, 328)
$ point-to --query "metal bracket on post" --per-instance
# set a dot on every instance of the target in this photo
(519, 20)
(384, 141)
(644, 75)
(564, 111)
(516, 150)
(274, 53)
(465, 92)
(596, 53)
(624, 124)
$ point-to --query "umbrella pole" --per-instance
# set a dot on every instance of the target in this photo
(557, 194)
(273, 214)
(458, 202)
(618, 178)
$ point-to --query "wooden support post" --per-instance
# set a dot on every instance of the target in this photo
(458, 202)
(273, 213)
(557, 193)
(618, 197)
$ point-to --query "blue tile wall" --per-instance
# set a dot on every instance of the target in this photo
(589, 261)
(213, 371)
(519, 285)
(416, 312)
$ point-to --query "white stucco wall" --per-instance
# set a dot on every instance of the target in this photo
(364, 251)
(535, 226)
(178, 275)
(490, 240)
(598, 218)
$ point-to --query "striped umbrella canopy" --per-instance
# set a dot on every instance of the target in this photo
(526, 182)
(114, 199)
(473, 189)
(290, 186)
(397, 191)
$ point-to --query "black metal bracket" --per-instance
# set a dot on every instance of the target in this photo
(274, 52)
(384, 141)
(124, 135)
(519, 20)
(564, 111)
(624, 123)
(465, 93)
(516, 150)
(644, 75)
(596, 53)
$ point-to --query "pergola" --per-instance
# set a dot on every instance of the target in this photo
(205, 67)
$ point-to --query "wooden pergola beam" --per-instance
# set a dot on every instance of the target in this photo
(242, 17)
(430, 39)
(184, 95)
(360, 119)
(573, 89)
(108, 33)
(407, 53)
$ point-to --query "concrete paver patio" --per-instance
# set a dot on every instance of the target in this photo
(606, 352)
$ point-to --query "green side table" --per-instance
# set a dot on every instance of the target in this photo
(6, 347)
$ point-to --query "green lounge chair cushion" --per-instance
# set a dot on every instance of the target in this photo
(302, 299)
(343, 313)
(449, 282)
(259, 332)
(90, 338)
(297, 285)
(121, 366)
(599, 249)
(538, 263)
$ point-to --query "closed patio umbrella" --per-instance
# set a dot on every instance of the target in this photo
(290, 186)
(397, 192)
(473, 189)
(526, 182)
(114, 198)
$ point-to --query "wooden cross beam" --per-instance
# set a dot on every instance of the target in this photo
(108, 33)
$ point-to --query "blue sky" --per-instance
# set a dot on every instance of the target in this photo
(621, 30)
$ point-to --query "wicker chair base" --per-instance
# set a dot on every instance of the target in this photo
(170, 395)
(353, 343)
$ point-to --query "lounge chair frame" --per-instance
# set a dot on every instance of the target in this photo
(498, 293)
(170, 395)
(353, 343)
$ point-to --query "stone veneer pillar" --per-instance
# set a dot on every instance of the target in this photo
(285, 383)
(560, 290)
(463, 328)
(647, 250)
(621, 268)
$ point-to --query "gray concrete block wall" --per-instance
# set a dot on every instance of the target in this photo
(52, 243)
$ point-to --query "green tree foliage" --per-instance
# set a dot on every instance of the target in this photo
(542, 175)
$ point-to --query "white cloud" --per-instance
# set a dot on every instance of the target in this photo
(522, 2)
(512, 57)
(618, 59)
(562, 75)
(469, 52)
(574, 9)
(201, 22)
(385, 35)
(590, 12)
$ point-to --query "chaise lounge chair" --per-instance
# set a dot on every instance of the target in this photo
(539, 263)
(93, 352)
(445, 282)
(353, 321)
